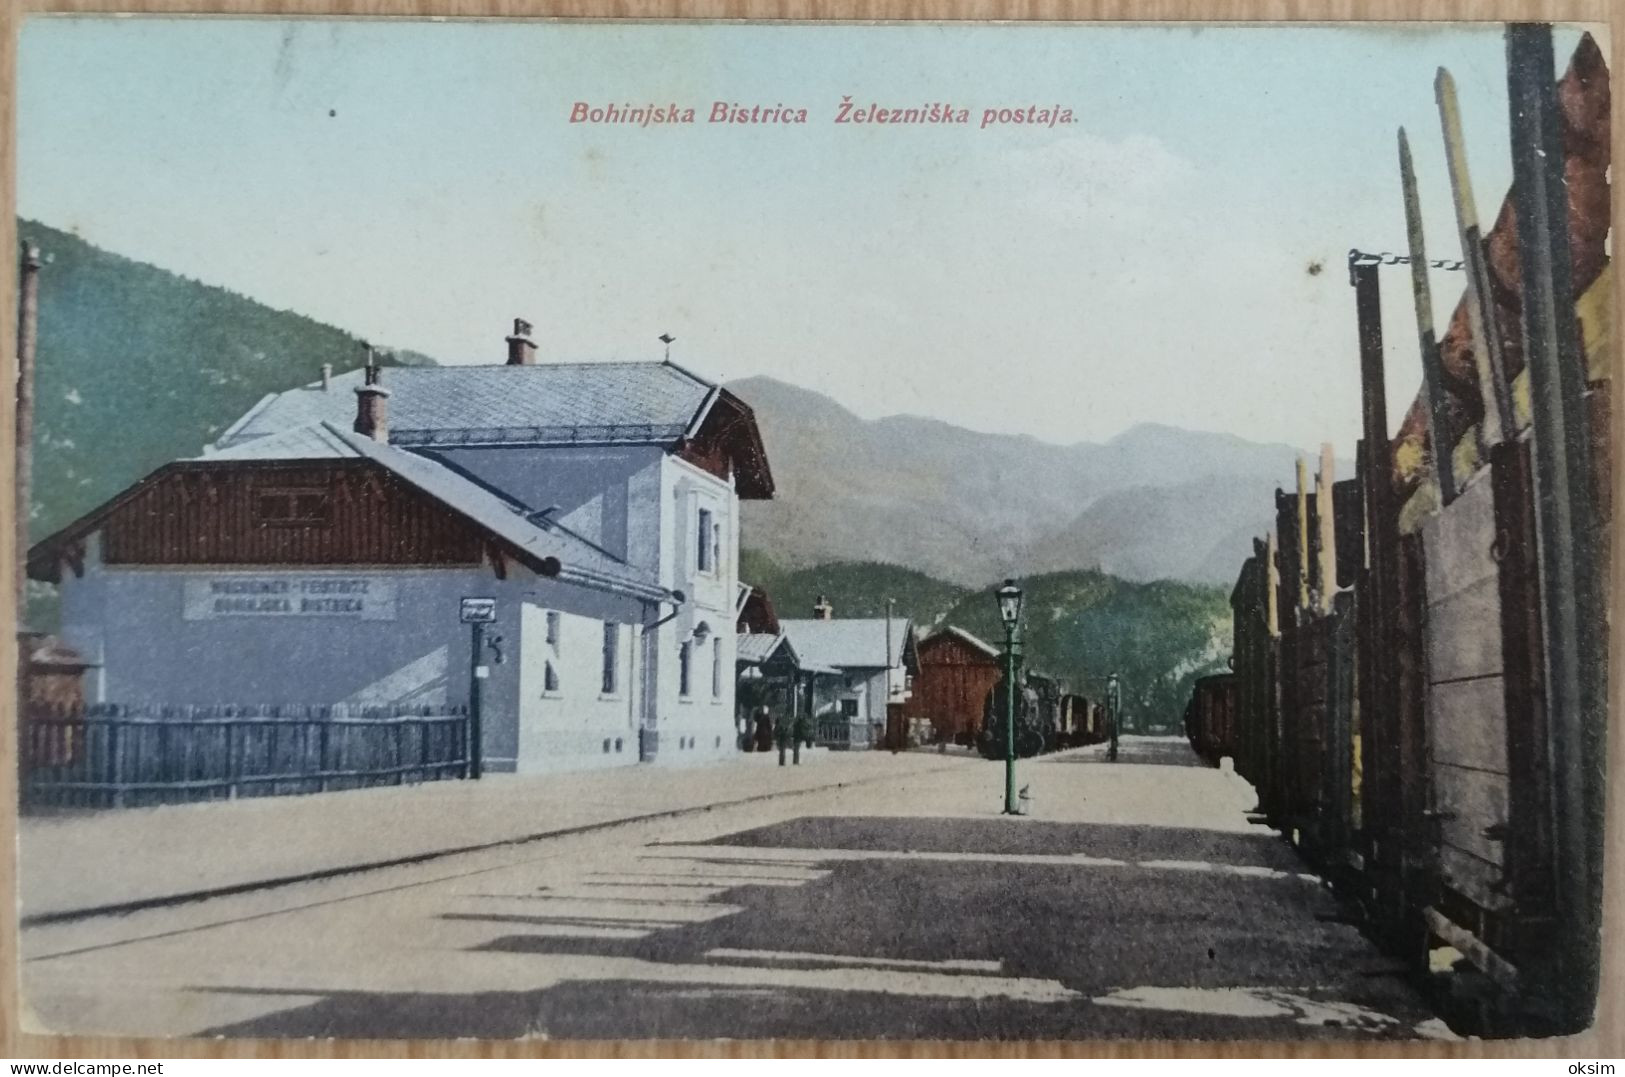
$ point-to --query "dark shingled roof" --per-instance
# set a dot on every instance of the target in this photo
(651, 403)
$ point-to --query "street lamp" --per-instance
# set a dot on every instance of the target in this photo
(1114, 710)
(1009, 597)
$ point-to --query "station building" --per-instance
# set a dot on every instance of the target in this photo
(321, 550)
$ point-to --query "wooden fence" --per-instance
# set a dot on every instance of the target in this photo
(836, 732)
(113, 755)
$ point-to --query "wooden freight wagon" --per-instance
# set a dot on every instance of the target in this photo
(1421, 654)
(1210, 717)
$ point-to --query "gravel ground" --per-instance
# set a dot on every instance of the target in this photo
(1141, 904)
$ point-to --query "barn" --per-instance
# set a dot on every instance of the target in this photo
(957, 671)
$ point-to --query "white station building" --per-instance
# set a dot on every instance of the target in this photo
(320, 553)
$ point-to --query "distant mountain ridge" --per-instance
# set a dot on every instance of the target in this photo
(1155, 502)
(138, 366)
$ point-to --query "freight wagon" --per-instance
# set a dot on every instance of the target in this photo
(1210, 717)
(1420, 671)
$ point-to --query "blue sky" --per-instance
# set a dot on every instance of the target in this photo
(418, 183)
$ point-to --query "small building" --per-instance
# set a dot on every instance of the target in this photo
(318, 554)
(874, 662)
(756, 614)
(957, 672)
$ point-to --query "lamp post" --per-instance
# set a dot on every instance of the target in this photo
(1114, 711)
(1009, 597)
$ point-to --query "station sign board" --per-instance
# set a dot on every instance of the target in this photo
(478, 611)
(364, 598)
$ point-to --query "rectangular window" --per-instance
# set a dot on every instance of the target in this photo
(293, 507)
(707, 558)
(685, 654)
(716, 667)
(612, 650)
(553, 628)
(550, 677)
(849, 708)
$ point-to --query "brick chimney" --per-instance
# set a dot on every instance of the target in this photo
(372, 406)
(327, 377)
(521, 349)
(822, 610)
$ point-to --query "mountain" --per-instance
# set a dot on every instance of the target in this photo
(1156, 502)
(1195, 531)
(138, 366)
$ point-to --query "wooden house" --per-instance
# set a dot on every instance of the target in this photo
(957, 671)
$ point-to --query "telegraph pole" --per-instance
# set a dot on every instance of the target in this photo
(27, 344)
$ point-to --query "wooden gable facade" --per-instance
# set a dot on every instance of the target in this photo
(330, 512)
(728, 442)
(951, 688)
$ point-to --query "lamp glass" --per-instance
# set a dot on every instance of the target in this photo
(1009, 597)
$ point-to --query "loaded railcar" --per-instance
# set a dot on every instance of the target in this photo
(1417, 690)
(1210, 717)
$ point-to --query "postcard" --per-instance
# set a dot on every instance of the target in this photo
(584, 530)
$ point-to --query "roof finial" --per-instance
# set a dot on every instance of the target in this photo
(666, 339)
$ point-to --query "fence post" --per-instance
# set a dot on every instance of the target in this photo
(423, 749)
(231, 761)
(115, 756)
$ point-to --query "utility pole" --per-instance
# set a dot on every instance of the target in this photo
(27, 344)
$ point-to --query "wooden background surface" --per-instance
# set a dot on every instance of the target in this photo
(1605, 1040)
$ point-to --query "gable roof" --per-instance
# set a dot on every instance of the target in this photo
(756, 615)
(754, 648)
(854, 643)
(536, 543)
(543, 404)
(974, 642)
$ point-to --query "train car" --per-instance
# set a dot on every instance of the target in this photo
(1049, 718)
(1210, 717)
(1083, 722)
(1396, 650)
(1031, 736)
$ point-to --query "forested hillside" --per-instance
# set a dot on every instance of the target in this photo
(1080, 626)
(138, 366)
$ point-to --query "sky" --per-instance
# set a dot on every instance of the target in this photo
(1174, 255)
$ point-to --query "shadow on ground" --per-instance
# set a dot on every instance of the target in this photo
(1152, 751)
(921, 928)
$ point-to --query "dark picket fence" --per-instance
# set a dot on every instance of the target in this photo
(112, 755)
(837, 733)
